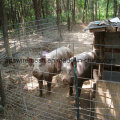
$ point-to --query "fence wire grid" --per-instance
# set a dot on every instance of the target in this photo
(22, 100)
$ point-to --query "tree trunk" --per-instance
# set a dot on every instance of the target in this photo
(12, 12)
(99, 10)
(36, 10)
(58, 11)
(92, 10)
(115, 8)
(46, 7)
(2, 94)
(15, 13)
(19, 14)
(96, 5)
(107, 8)
(64, 5)
(40, 10)
(119, 11)
(83, 20)
(42, 6)
(23, 18)
(73, 11)
(68, 14)
(5, 28)
(87, 4)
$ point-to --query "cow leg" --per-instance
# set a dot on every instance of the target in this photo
(94, 90)
(40, 87)
(80, 84)
(49, 87)
(49, 81)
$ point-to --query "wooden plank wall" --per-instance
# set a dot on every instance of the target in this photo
(107, 48)
(107, 101)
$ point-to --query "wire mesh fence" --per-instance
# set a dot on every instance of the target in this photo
(22, 91)
(20, 35)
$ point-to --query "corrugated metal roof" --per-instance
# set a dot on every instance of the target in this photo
(110, 24)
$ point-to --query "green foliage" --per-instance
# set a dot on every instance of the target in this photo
(63, 17)
(19, 11)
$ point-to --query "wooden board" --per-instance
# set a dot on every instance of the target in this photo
(107, 101)
(98, 30)
(114, 50)
(111, 29)
(118, 29)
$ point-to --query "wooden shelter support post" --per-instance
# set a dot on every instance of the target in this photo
(99, 47)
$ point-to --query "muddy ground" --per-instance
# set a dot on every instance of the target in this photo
(21, 88)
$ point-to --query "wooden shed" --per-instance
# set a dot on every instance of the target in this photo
(107, 46)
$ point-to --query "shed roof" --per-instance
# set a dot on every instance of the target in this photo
(112, 25)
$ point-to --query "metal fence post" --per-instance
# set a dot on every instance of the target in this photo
(76, 87)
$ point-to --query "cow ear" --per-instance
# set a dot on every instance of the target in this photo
(43, 60)
(30, 61)
(72, 64)
(58, 66)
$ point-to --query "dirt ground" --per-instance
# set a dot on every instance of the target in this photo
(21, 88)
